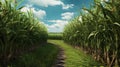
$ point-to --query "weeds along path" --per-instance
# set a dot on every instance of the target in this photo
(42, 56)
(74, 57)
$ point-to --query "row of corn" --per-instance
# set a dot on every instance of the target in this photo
(97, 32)
(18, 31)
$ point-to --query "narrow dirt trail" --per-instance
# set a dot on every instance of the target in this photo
(60, 61)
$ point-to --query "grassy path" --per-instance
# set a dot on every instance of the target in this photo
(45, 56)
(74, 57)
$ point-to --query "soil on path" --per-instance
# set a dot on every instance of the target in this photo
(60, 61)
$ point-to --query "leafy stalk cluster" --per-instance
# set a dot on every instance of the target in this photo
(18, 31)
(97, 32)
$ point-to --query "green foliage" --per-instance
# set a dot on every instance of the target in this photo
(18, 31)
(98, 32)
(43, 56)
(55, 36)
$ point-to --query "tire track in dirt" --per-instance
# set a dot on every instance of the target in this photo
(60, 62)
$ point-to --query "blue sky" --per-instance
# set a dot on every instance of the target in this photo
(55, 14)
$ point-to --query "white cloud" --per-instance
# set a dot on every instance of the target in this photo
(58, 25)
(67, 15)
(38, 13)
(46, 3)
(67, 6)
(57, 21)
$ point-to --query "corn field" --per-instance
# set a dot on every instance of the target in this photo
(55, 36)
(97, 32)
(18, 31)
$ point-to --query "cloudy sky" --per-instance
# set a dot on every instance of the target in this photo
(55, 14)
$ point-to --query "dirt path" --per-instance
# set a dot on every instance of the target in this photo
(74, 57)
(60, 58)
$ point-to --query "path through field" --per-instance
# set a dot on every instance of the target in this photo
(74, 57)
(60, 61)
